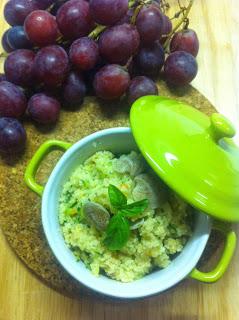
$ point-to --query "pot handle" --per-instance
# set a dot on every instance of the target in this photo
(41, 153)
(228, 251)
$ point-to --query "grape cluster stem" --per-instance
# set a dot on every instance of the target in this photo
(3, 55)
(96, 32)
(184, 20)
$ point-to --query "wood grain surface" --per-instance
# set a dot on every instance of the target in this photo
(23, 296)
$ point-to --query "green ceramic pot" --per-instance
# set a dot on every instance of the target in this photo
(192, 153)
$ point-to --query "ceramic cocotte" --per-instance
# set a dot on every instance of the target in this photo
(120, 141)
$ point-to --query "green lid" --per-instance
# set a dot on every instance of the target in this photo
(191, 152)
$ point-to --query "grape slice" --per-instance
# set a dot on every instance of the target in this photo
(96, 215)
(132, 163)
(148, 188)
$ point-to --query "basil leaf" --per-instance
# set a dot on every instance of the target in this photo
(117, 233)
(117, 198)
(134, 208)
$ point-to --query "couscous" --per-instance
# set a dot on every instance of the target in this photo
(156, 235)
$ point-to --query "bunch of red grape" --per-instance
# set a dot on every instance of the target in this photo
(60, 50)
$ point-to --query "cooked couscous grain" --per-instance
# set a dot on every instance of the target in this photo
(156, 235)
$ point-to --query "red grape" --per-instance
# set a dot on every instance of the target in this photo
(6, 46)
(141, 86)
(149, 23)
(167, 25)
(17, 38)
(12, 136)
(111, 82)
(185, 40)
(117, 44)
(44, 4)
(180, 68)
(51, 65)
(43, 108)
(156, 3)
(131, 68)
(41, 28)
(15, 11)
(13, 102)
(18, 67)
(74, 90)
(90, 75)
(127, 17)
(108, 12)
(2, 77)
(57, 6)
(84, 53)
(149, 61)
(74, 19)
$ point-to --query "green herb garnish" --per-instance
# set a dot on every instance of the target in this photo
(118, 229)
(117, 198)
(117, 232)
(134, 208)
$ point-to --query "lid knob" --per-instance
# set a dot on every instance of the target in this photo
(221, 127)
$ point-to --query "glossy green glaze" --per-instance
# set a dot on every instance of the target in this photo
(191, 152)
(41, 153)
(227, 254)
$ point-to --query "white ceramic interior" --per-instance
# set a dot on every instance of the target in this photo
(117, 140)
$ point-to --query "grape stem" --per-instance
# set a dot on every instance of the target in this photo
(164, 6)
(180, 22)
(132, 3)
(180, 5)
(137, 10)
(97, 31)
(3, 55)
